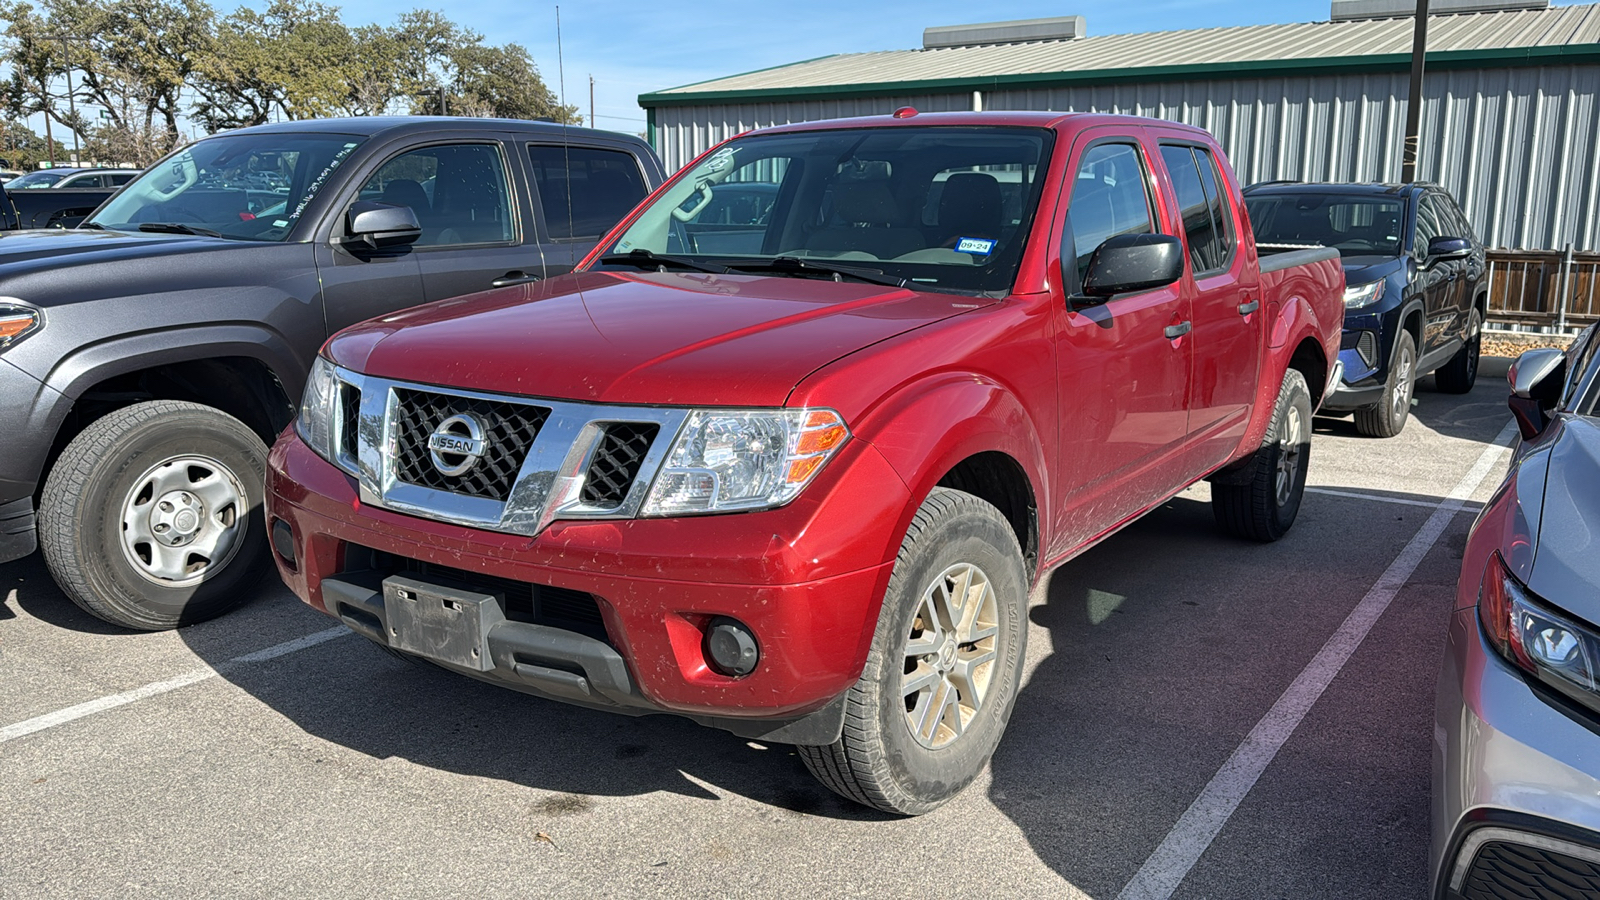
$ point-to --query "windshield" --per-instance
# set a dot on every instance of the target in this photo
(34, 181)
(944, 208)
(1355, 225)
(243, 186)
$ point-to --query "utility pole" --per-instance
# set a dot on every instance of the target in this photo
(591, 101)
(1419, 56)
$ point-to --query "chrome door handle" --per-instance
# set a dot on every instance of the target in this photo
(511, 278)
(1179, 330)
(1246, 309)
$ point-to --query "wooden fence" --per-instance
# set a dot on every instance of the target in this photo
(1559, 290)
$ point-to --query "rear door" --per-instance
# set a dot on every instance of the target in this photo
(1123, 380)
(1225, 287)
(580, 191)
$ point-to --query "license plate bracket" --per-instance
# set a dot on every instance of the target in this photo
(442, 622)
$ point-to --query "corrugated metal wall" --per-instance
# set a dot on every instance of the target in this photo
(1519, 148)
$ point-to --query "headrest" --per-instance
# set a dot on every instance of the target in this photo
(868, 202)
(971, 200)
(405, 192)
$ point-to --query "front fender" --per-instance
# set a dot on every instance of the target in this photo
(89, 365)
(929, 427)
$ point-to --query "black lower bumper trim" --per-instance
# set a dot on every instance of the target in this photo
(1498, 853)
(563, 665)
(18, 533)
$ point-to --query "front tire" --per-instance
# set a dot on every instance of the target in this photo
(151, 518)
(1388, 416)
(946, 660)
(1262, 504)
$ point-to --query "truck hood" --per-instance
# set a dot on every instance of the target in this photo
(1566, 565)
(645, 338)
(51, 249)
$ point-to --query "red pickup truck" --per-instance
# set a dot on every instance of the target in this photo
(789, 451)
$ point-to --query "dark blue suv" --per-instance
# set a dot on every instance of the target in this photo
(1417, 292)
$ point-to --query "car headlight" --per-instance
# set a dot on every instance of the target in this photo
(1363, 295)
(726, 460)
(1556, 649)
(315, 424)
(17, 321)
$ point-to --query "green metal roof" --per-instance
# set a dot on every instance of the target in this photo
(1553, 36)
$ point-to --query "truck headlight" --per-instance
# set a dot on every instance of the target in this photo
(726, 460)
(315, 424)
(17, 321)
(1363, 295)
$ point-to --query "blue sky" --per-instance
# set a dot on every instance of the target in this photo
(632, 48)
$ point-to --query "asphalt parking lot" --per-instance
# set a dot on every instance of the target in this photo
(1202, 718)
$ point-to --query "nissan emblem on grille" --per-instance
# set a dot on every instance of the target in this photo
(457, 444)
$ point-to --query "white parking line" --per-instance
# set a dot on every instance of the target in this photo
(1166, 868)
(1380, 498)
(101, 704)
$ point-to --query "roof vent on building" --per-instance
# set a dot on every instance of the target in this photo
(1060, 28)
(1355, 10)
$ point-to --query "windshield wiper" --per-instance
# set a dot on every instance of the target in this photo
(96, 226)
(794, 265)
(644, 259)
(176, 228)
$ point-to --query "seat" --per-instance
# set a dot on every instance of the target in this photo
(869, 221)
(469, 205)
(405, 192)
(969, 206)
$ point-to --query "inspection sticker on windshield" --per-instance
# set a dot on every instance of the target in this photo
(975, 245)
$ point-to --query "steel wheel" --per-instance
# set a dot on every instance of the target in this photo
(180, 521)
(949, 655)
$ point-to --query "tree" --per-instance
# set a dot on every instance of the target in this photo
(22, 148)
(35, 62)
(504, 82)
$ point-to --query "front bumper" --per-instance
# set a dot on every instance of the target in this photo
(17, 534)
(1516, 783)
(807, 579)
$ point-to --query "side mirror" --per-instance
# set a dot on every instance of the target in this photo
(1133, 262)
(381, 224)
(1443, 248)
(1536, 381)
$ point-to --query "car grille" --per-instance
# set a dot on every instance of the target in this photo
(509, 432)
(1512, 870)
(616, 462)
(350, 419)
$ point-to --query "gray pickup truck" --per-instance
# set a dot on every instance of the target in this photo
(149, 356)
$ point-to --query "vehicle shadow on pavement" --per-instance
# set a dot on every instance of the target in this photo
(39, 597)
(1157, 652)
(350, 693)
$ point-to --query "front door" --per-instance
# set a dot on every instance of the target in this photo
(472, 239)
(1123, 381)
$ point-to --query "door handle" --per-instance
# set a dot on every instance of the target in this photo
(1179, 330)
(1246, 309)
(511, 278)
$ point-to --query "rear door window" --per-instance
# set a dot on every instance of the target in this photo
(583, 191)
(1199, 223)
(1110, 197)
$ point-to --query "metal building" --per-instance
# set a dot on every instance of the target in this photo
(1510, 123)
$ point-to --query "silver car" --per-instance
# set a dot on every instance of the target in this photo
(1516, 780)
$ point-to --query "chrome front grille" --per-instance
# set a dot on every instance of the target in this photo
(616, 462)
(510, 431)
(540, 460)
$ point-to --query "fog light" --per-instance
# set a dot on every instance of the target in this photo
(731, 648)
(283, 541)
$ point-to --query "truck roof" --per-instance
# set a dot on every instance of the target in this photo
(392, 126)
(1012, 118)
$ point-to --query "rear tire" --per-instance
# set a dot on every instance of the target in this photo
(1263, 506)
(946, 660)
(151, 518)
(1388, 416)
(1459, 374)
